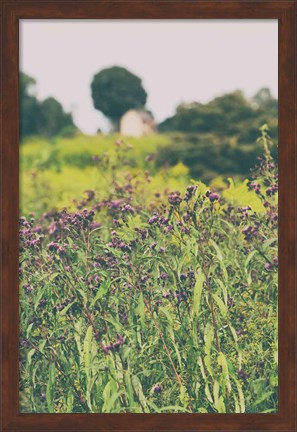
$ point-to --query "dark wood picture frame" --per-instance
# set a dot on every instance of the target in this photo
(282, 10)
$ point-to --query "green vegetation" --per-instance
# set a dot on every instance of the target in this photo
(150, 291)
(116, 90)
(46, 118)
(219, 137)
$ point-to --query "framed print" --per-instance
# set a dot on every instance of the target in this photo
(148, 215)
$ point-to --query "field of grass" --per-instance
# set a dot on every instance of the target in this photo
(141, 288)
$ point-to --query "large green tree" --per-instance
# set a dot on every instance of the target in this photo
(115, 90)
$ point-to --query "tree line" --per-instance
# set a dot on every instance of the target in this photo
(115, 90)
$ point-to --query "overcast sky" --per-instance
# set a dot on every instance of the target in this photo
(178, 61)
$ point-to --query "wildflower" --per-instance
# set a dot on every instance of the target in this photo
(163, 220)
(54, 228)
(212, 196)
(157, 388)
(53, 246)
(183, 276)
(28, 288)
(107, 348)
(128, 209)
(174, 198)
(42, 303)
(268, 266)
(95, 225)
(25, 343)
(153, 219)
(181, 296)
(164, 276)
(153, 245)
(255, 186)
(243, 375)
(268, 191)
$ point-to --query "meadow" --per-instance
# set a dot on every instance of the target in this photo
(143, 289)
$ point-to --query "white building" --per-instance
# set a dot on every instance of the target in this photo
(137, 123)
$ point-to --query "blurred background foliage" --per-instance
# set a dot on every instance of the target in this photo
(208, 142)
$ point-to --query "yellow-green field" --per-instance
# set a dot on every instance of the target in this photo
(56, 173)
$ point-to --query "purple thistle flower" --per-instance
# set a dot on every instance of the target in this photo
(157, 388)
(153, 219)
(28, 288)
(128, 209)
(268, 266)
(53, 246)
(268, 191)
(243, 375)
(212, 196)
(174, 198)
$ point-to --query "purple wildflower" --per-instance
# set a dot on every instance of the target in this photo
(212, 196)
(174, 198)
(157, 388)
(153, 219)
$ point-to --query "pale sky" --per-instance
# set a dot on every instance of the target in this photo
(177, 60)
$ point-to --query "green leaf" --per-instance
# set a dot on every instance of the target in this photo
(139, 392)
(221, 405)
(225, 372)
(66, 308)
(216, 388)
(221, 305)
(30, 355)
(69, 402)
(87, 352)
(50, 388)
(29, 328)
(241, 396)
(102, 290)
(200, 278)
(217, 249)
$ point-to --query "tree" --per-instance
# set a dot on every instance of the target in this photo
(29, 106)
(115, 90)
(46, 118)
(263, 100)
(53, 119)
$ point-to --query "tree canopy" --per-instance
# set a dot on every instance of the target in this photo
(230, 115)
(46, 118)
(115, 90)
